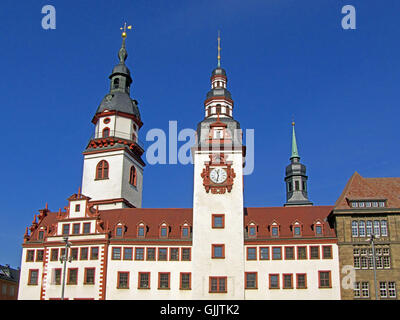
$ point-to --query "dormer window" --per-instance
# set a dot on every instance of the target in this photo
(141, 230)
(252, 230)
(164, 231)
(274, 229)
(318, 228)
(119, 230)
(185, 231)
(77, 207)
(297, 228)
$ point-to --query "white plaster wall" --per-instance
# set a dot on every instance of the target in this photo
(103, 189)
(82, 210)
(29, 292)
(309, 266)
(154, 267)
(204, 205)
(131, 193)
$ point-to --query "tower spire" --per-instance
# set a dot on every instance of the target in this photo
(122, 53)
(219, 50)
(295, 153)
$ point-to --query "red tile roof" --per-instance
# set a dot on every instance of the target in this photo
(286, 216)
(175, 218)
(360, 188)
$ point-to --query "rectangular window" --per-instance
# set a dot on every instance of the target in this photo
(276, 253)
(128, 253)
(186, 254)
(163, 280)
(289, 253)
(318, 230)
(275, 231)
(354, 228)
(118, 232)
(76, 228)
(185, 281)
(361, 228)
(41, 235)
(314, 252)
(376, 227)
(252, 231)
(162, 254)
(356, 262)
(116, 253)
(89, 276)
(39, 255)
(324, 279)
(72, 276)
(218, 251)
(65, 229)
(139, 253)
(164, 232)
(287, 281)
(54, 255)
(74, 253)
(33, 277)
(301, 281)
(86, 228)
(30, 255)
(392, 289)
(326, 252)
(185, 232)
(274, 281)
(141, 231)
(144, 280)
(84, 253)
(297, 231)
(301, 253)
(252, 253)
(384, 231)
(251, 280)
(94, 253)
(357, 290)
(77, 207)
(386, 262)
(151, 254)
(365, 289)
(218, 221)
(123, 280)
(383, 289)
(56, 276)
(174, 254)
(369, 227)
(218, 285)
(264, 253)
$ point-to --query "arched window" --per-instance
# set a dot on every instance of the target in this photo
(106, 132)
(116, 83)
(102, 170)
(133, 176)
(218, 109)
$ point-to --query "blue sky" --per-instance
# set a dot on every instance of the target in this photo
(282, 57)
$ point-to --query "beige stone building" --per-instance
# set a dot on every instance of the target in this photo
(369, 206)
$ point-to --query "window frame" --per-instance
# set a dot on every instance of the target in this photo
(102, 170)
(214, 225)
(320, 272)
(246, 280)
(119, 279)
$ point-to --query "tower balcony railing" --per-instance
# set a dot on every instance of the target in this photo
(117, 135)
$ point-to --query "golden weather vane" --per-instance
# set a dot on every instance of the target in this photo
(124, 29)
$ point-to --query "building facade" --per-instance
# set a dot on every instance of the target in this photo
(104, 245)
(369, 207)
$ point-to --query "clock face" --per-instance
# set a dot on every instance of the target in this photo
(218, 175)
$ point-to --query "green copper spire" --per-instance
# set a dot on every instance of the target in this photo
(295, 153)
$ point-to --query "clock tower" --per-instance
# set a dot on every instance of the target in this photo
(218, 231)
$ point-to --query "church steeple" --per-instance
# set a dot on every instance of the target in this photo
(296, 178)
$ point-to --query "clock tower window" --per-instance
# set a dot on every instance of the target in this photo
(106, 132)
(133, 176)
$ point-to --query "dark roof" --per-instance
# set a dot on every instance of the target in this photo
(218, 71)
(119, 101)
(8, 273)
